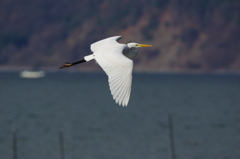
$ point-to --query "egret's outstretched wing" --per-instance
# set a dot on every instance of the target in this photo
(104, 43)
(118, 68)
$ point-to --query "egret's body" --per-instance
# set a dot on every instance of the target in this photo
(115, 59)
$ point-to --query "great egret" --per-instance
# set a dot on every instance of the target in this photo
(115, 60)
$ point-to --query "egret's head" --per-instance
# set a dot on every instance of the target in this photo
(136, 45)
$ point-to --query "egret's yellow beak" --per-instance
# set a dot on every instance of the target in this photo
(144, 45)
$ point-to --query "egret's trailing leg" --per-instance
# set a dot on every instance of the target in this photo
(85, 59)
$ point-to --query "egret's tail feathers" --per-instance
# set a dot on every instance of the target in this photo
(89, 57)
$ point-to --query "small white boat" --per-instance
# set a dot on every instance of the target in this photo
(32, 74)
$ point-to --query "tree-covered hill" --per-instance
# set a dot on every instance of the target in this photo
(187, 35)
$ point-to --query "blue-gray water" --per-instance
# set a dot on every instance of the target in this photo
(205, 111)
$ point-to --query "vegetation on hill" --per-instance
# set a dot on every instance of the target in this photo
(187, 35)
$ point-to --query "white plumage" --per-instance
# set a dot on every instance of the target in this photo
(115, 59)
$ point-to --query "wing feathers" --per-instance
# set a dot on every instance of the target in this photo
(122, 91)
(119, 70)
(104, 43)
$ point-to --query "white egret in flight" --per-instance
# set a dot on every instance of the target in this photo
(115, 60)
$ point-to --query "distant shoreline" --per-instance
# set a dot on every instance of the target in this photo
(92, 70)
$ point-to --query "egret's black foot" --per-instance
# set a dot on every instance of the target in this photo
(66, 65)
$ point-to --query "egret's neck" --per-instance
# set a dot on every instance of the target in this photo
(130, 52)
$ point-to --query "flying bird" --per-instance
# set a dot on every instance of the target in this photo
(115, 59)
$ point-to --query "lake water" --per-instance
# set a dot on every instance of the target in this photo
(205, 111)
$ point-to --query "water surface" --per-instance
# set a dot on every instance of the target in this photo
(205, 111)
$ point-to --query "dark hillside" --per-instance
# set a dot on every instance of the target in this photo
(199, 35)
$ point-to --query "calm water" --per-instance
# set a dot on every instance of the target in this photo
(205, 111)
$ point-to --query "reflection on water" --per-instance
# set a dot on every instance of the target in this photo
(205, 110)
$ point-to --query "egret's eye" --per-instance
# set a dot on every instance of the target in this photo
(136, 44)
